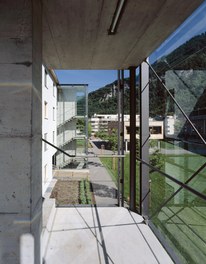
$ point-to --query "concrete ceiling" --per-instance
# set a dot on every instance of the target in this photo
(75, 33)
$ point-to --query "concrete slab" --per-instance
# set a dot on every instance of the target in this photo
(102, 235)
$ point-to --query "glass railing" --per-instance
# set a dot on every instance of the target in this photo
(72, 130)
(181, 221)
(178, 140)
(180, 151)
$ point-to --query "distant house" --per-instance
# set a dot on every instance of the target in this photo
(108, 123)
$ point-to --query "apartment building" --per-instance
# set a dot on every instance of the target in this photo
(100, 122)
(107, 123)
(49, 126)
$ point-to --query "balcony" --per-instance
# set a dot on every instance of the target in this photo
(102, 235)
(170, 198)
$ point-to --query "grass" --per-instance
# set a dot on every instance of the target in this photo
(85, 195)
(112, 169)
(80, 143)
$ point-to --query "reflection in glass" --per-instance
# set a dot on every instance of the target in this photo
(183, 223)
(181, 65)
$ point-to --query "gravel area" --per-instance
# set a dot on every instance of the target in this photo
(66, 192)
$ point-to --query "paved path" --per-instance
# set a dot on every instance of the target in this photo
(105, 190)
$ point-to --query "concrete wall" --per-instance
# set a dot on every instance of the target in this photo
(49, 120)
(20, 129)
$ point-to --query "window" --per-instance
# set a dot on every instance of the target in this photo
(45, 109)
(53, 113)
(128, 130)
(53, 137)
(46, 79)
(45, 144)
(54, 89)
(45, 172)
(155, 129)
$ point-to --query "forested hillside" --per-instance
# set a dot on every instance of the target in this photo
(183, 71)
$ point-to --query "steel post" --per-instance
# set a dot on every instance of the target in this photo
(132, 202)
(122, 136)
(119, 131)
(144, 139)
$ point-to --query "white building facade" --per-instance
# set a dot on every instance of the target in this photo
(49, 130)
(72, 110)
(99, 122)
(169, 126)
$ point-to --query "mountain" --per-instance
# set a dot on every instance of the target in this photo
(183, 72)
(104, 100)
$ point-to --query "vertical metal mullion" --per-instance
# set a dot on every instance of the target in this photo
(119, 131)
(132, 138)
(144, 139)
(86, 121)
(122, 136)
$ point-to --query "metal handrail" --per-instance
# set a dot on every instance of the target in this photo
(72, 117)
(83, 156)
(61, 150)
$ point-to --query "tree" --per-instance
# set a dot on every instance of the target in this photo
(112, 138)
(89, 129)
(156, 158)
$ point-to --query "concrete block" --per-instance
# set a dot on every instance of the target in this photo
(15, 175)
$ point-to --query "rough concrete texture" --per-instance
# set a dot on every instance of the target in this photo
(20, 128)
(80, 39)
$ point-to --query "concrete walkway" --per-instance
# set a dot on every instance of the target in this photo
(104, 188)
(98, 235)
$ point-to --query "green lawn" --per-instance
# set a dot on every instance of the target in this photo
(112, 169)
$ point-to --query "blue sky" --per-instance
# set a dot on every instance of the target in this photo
(194, 25)
(94, 78)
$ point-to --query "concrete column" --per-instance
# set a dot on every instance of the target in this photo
(20, 131)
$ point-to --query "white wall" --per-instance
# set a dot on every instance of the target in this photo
(169, 125)
(49, 95)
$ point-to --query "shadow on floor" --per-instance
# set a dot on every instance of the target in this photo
(104, 191)
(95, 164)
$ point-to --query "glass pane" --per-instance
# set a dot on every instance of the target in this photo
(177, 146)
(72, 126)
(182, 222)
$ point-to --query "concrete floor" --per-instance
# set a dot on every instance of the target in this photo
(96, 235)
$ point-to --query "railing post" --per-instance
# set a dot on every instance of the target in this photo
(119, 131)
(144, 139)
(132, 138)
(122, 136)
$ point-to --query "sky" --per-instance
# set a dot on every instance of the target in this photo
(194, 25)
(94, 78)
